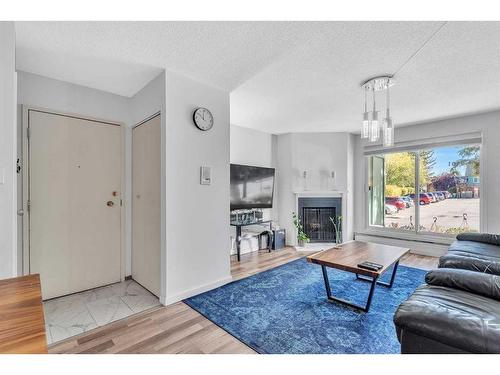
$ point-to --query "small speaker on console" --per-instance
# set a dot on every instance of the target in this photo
(279, 239)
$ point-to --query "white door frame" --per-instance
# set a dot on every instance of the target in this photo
(26, 179)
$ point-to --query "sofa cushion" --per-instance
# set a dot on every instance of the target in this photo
(491, 239)
(474, 282)
(472, 255)
(456, 318)
(475, 249)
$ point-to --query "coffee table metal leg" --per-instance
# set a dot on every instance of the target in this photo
(389, 284)
(327, 282)
(365, 308)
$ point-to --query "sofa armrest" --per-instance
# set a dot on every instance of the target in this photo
(491, 239)
(484, 284)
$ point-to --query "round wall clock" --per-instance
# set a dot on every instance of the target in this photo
(203, 119)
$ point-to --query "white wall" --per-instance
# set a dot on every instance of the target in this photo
(253, 147)
(35, 90)
(319, 154)
(149, 100)
(8, 142)
(487, 123)
(197, 216)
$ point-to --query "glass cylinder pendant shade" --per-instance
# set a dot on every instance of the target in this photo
(388, 133)
(374, 128)
(365, 131)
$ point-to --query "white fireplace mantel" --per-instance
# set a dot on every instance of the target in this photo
(320, 193)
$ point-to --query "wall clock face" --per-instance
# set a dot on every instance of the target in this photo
(203, 119)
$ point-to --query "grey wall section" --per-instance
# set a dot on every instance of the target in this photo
(8, 149)
(197, 221)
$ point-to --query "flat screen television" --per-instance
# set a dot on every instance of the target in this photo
(251, 187)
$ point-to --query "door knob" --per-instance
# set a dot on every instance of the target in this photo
(20, 212)
(110, 203)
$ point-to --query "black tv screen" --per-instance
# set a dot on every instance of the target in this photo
(251, 187)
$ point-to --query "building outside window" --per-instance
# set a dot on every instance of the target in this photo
(441, 196)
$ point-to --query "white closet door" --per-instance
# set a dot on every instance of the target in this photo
(146, 185)
(75, 219)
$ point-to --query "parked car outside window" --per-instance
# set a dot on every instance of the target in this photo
(395, 201)
(440, 195)
(408, 201)
(422, 199)
(432, 197)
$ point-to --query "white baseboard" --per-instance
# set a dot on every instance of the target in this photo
(194, 291)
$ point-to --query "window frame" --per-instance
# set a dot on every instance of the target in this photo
(416, 235)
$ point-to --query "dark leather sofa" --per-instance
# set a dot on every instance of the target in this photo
(474, 251)
(458, 309)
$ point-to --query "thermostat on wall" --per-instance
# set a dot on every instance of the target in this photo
(205, 175)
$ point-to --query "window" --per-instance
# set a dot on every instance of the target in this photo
(447, 201)
(392, 184)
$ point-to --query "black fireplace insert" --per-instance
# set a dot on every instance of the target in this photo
(315, 213)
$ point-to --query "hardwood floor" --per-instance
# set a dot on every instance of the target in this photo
(178, 328)
(22, 326)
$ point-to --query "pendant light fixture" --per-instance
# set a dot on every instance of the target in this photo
(365, 131)
(371, 127)
(375, 130)
(388, 131)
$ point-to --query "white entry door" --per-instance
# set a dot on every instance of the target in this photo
(146, 187)
(75, 168)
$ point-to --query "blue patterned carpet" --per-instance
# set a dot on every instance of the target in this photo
(284, 310)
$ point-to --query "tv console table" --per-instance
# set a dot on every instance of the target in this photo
(239, 225)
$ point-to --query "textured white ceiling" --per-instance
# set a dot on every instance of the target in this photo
(283, 76)
(121, 57)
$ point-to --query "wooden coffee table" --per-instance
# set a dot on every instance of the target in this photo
(347, 256)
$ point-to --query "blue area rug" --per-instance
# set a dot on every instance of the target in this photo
(284, 310)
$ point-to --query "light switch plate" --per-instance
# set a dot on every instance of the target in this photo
(205, 175)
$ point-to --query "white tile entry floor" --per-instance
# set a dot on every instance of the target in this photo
(77, 313)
